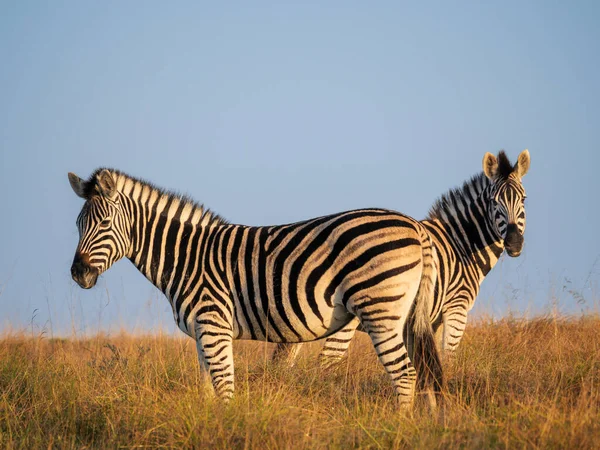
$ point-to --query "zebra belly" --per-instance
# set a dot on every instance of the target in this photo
(287, 326)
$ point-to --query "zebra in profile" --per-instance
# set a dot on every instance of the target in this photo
(470, 227)
(286, 284)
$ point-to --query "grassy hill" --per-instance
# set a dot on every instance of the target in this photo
(513, 383)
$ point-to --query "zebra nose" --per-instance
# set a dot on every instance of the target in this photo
(514, 240)
(81, 265)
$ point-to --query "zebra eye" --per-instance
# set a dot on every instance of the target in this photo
(105, 223)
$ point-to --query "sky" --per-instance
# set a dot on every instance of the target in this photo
(273, 112)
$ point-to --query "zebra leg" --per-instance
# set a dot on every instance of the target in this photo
(391, 350)
(336, 346)
(438, 334)
(455, 321)
(214, 339)
(286, 353)
(383, 319)
(332, 353)
(205, 381)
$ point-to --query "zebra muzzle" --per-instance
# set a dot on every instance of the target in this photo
(513, 241)
(82, 272)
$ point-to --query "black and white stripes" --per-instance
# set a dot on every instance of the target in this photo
(470, 227)
(287, 284)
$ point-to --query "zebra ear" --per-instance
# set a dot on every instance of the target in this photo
(522, 166)
(78, 185)
(490, 165)
(105, 184)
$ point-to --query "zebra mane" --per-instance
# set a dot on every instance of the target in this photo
(122, 179)
(456, 198)
(505, 167)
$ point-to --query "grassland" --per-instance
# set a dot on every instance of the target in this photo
(512, 384)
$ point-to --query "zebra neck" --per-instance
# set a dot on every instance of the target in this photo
(463, 218)
(166, 229)
(159, 250)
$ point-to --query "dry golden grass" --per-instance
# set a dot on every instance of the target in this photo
(517, 384)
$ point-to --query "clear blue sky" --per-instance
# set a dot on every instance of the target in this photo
(270, 113)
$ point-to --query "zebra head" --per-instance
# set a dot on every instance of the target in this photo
(507, 197)
(104, 228)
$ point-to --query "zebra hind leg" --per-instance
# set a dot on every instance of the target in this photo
(286, 353)
(383, 318)
(332, 353)
(336, 346)
(391, 350)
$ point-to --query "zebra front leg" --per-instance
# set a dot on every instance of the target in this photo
(205, 381)
(455, 322)
(336, 346)
(287, 353)
(214, 340)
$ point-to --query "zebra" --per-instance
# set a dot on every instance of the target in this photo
(470, 227)
(286, 284)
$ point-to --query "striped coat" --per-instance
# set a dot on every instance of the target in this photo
(470, 228)
(286, 284)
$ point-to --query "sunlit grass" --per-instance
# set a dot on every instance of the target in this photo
(511, 384)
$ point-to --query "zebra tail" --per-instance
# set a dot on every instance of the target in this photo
(426, 357)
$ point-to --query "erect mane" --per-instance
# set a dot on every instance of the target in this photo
(121, 179)
(452, 199)
(505, 168)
